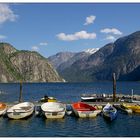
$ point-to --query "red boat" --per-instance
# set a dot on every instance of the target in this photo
(84, 110)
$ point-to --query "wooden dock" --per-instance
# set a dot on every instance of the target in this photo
(90, 103)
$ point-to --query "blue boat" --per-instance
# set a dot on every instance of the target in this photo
(109, 112)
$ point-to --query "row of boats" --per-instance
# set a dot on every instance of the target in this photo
(56, 110)
(51, 108)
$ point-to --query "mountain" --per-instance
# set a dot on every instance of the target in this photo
(70, 61)
(121, 57)
(64, 60)
(59, 58)
(25, 65)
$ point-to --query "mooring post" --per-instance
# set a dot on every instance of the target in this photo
(20, 96)
(114, 87)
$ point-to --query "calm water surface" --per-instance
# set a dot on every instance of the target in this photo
(70, 126)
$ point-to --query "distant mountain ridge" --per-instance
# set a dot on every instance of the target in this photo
(59, 58)
(64, 60)
(25, 65)
(121, 57)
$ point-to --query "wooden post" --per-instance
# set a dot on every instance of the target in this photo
(20, 96)
(114, 87)
(132, 94)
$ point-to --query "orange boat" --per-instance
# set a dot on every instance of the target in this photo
(3, 108)
(84, 110)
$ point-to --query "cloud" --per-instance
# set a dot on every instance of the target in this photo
(90, 20)
(2, 37)
(43, 44)
(6, 14)
(113, 31)
(110, 37)
(76, 36)
(35, 48)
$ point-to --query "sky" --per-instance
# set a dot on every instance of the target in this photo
(50, 28)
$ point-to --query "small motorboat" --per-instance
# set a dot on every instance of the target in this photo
(3, 108)
(84, 110)
(109, 112)
(53, 109)
(21, 110)
(134, 107)
(48, 99)
(91, 98)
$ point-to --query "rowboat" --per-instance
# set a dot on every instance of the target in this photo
(84, 110)
(126, 109)
(53, 109)
(134, 107)
(109, 112)
(3, 108)
(123, 109)
(21, 110)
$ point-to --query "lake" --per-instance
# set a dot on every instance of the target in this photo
(70, 126)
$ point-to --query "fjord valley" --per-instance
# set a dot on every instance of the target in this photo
(28, 66)
(121, 57)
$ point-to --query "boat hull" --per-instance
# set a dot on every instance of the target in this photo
(134, 108)
(54, 115)
(86, 114)
(20, 111)
(16, 115)
(110, 116)
(53, 110)
(84, 110)
(3, 108)
(109, 112)
(126, 110)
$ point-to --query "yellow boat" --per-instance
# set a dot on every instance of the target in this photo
(48, 99)
(52, 99)
(135, 108)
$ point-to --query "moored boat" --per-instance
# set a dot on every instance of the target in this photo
(91, 98)
(127, 110)
(123, 109)
(48, 99)
(21, 110)
(134, 107)
(53, 109)
(3, 108)
(84, 110)
(109, 112)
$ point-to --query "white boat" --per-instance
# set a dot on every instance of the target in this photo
(91, 98)
(53, 109)
(21, 110)
(3, 108)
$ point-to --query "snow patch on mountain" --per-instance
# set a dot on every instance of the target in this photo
(91, 50)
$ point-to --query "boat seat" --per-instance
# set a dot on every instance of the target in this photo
(83, 109)
(26, 108)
